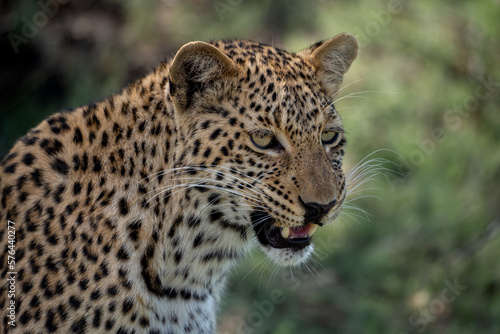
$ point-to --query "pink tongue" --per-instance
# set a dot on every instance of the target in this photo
(300, 232)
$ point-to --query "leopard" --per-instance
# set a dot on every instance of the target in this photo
(127, 215)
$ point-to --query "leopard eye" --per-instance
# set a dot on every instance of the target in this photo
(263, 141)
(329, 137)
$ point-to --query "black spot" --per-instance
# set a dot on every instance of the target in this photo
(142, 126)
(196, 147)
(215, 215)
(76, 162)
(176, 223)
(178, 257)
(22, 198)
(50, 265)
(36, 176)
(89, 255)
(53, 239)
(133, 229)
(207, 152)
(127, 305)
(97, 318)
(193, 222)
(218, 255)
(85, 162)
(77, 188)
(78, 137)
(35, 301)
(109, 324)
(28, 140)
(79, 326)
(97, 164)
(170, 293)
(50, 322)
(20, 181)
(24, 318)
(215, 134)
(152, 283)
(11, 169)
(216, 161)
(144, 322)
(104, 139)
(75, 302)
(242, 230)
(198, 240)
(28, 159)
(61, 309)
(155, 130)
(122, 330)
(112, 290)
(270, 88)
(58, 192)
(214, 198)
(123, 254)
(60, 166)
(84, 284)
(6, 192)
(96, 294)
(123, 205)
(70, 208)
(26, 286)
(205, 125)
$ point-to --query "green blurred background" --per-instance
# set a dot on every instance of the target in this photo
(425, 88)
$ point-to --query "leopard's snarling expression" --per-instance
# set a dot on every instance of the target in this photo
(259, 129)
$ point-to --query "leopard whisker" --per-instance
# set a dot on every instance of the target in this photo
(317, 252)
(356, 94)
(312, 271)
(369, 166)
(262, 270)
(329, 103)
(271, 276)
(194, 185)
(364, 214)
(265, 258)
(217, 172)
(197, 182)
(350, 84)
(251, 186)
(367, 196)
(232, 207)
(366, 170)
(260, 221)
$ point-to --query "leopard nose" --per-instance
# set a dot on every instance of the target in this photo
(315, 211)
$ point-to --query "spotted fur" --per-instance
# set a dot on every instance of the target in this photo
(130, 212)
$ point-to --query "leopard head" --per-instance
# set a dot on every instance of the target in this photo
(260, 134)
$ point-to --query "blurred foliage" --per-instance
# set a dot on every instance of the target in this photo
(419, 90)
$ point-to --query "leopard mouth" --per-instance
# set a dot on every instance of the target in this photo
(294, 238)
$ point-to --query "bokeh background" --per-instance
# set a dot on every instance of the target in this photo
(423, 94)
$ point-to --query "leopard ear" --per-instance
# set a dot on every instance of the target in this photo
(196, 68)
(331, 59)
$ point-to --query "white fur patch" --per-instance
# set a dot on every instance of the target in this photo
(287, 256)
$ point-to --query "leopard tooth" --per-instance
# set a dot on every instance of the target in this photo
(285, 232)
(313, 229)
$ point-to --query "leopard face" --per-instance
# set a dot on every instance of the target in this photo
(262, 131)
